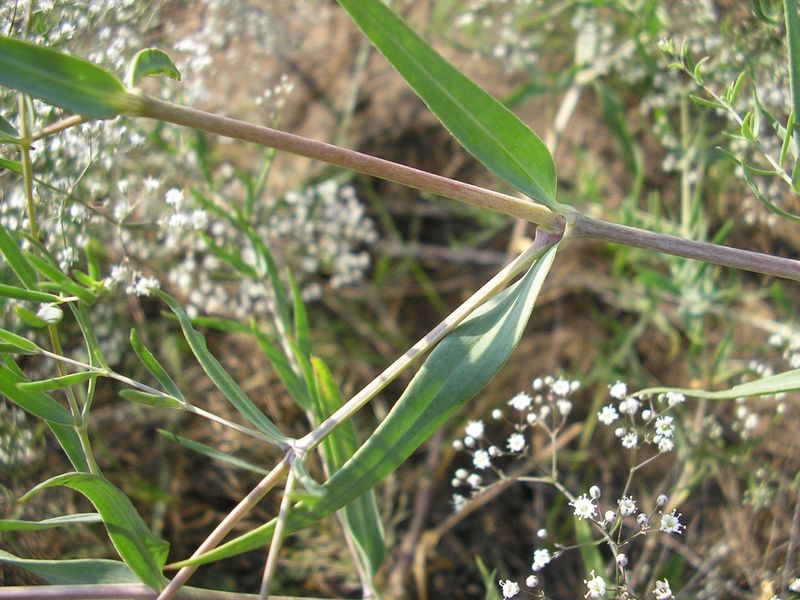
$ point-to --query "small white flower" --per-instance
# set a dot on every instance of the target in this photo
(458, 502)
(475, 429)
(594, 492)
(481, 459)
(643, 520)
(474, 480)
(564, 407)
(510, 588)
(665, 445)
(531, 418)
(795, 585)
(521, 401)
(174, 197)
(670, 523)
(462, 474)
(532, 581)
(151, 184)
(561, 387)
(537, 384)
(516, 442)
(627, 506)
(497, 414)
(622, 560)
(629, 440)
(595, 586)
(542, 533)
(458, 445)
(584, 507)
(629, 406)
(661, 500)
(673, 399)
(469, 441)
(609, 517)
(664, 426)
(541, 558)
(662, 590)
(618, 390)
(494, 451)
(607, 415)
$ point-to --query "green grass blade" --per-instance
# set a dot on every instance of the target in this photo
(139, 548)
(220, 376)
(149, 62)
(788, 381)
(481, 124)
(457, 369)
(153, 366)
(302, 327)
(296, 387)
(153, 400)
(57, 383)
(73, 571)
(62, 80)
(212, 452)
(79, 519)
(22, 269)
(793, 44)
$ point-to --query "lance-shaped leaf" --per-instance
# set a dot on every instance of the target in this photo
(144, 552)
(22, 269)
(482, 125)
(457, 369)
(212, 452)
(220, 376)
(788, 381)
(73, 571)
(79, 519)
(35, 402)
(62, 80)
(12, 291)
(149, 62)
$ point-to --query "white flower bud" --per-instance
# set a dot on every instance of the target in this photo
(594, 492)
(661, 500)
(622, 560)
(50, 314)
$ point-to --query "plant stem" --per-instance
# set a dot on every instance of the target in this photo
(363, 163)
(277, 537)
(587, 227)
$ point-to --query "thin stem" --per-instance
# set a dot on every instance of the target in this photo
(587, 227)
(237, 514)
(61, 125)
(277, 537)
(363, 163)
(126, 591)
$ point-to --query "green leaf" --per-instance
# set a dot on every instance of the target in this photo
(489, 579)
(71, 445)
(361, 516)
(38, 404)
(139, 548)
(707, 103)
(590, 554)
(297, 389)
(73, 571)
(481, 124)
(155, 368)
(11, 165)
(57, 383)
(19, 342)
(30, 318)
(220, 377)
(457, 369)
(788, 381)
(8, 133)
(52, 272)
(302, 328)
(22, 269)
(212, 452)
(149, 62)
(79, 519)
(154, 400)
(793, 43)
(62, 80)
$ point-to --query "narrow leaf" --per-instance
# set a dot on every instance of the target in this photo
(18, 341)
(793, 44)
(54, 274)
(149, 62)
(71, 445)
(154, 400)
(11, 165)
(302, 328)
(57, 383)
(279, 362)
(788, 381)
(212, 452)
(457, 369)
(62, 80)
(17, 262)
(152, 365)
(38, 404)
(139, 548)
(79, 519)
(73, 571)
(220, 376)
(481, 124)
(30, 318)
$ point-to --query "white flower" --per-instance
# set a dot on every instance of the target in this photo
(142, 285)
(174, 197)
(151, 184)
(607, 415)
(541, 558)
(664, 426)
(661, 500)
(458, 502)
(542, 533)
(475, 480)
(537, 383)
(643, 520)
(622, 560)
(595, 586)
(497, 414)
(521, 401)
(510, 588)
(629, 406)
(584, 507)
(532, 581)
(665, 445)
(629, 440)
(795, 585)
(474, 429)
(462, 474)
(618, 390)
(674, 398)
(564, 407)
(670, 523)
(458, 445)
(561, 387)
(494, 451)
(662, 590)
(627, 506)
(516, 442)
(594, 492)
(481, 459)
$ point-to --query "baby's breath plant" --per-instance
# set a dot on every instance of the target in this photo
(175, 227)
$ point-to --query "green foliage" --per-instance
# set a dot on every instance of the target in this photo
(150, 62)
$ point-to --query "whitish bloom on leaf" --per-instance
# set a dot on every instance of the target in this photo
(595, 586)
(618, 390)
(662, 590)
(510, 588)
(627, 506)
(670, 523)
(584, 507)
(521, 401)
(607, 415)
(516, 442)
(481, 459)
(474, 429)
(541, 558)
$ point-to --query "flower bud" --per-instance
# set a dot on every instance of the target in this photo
(50, 314)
